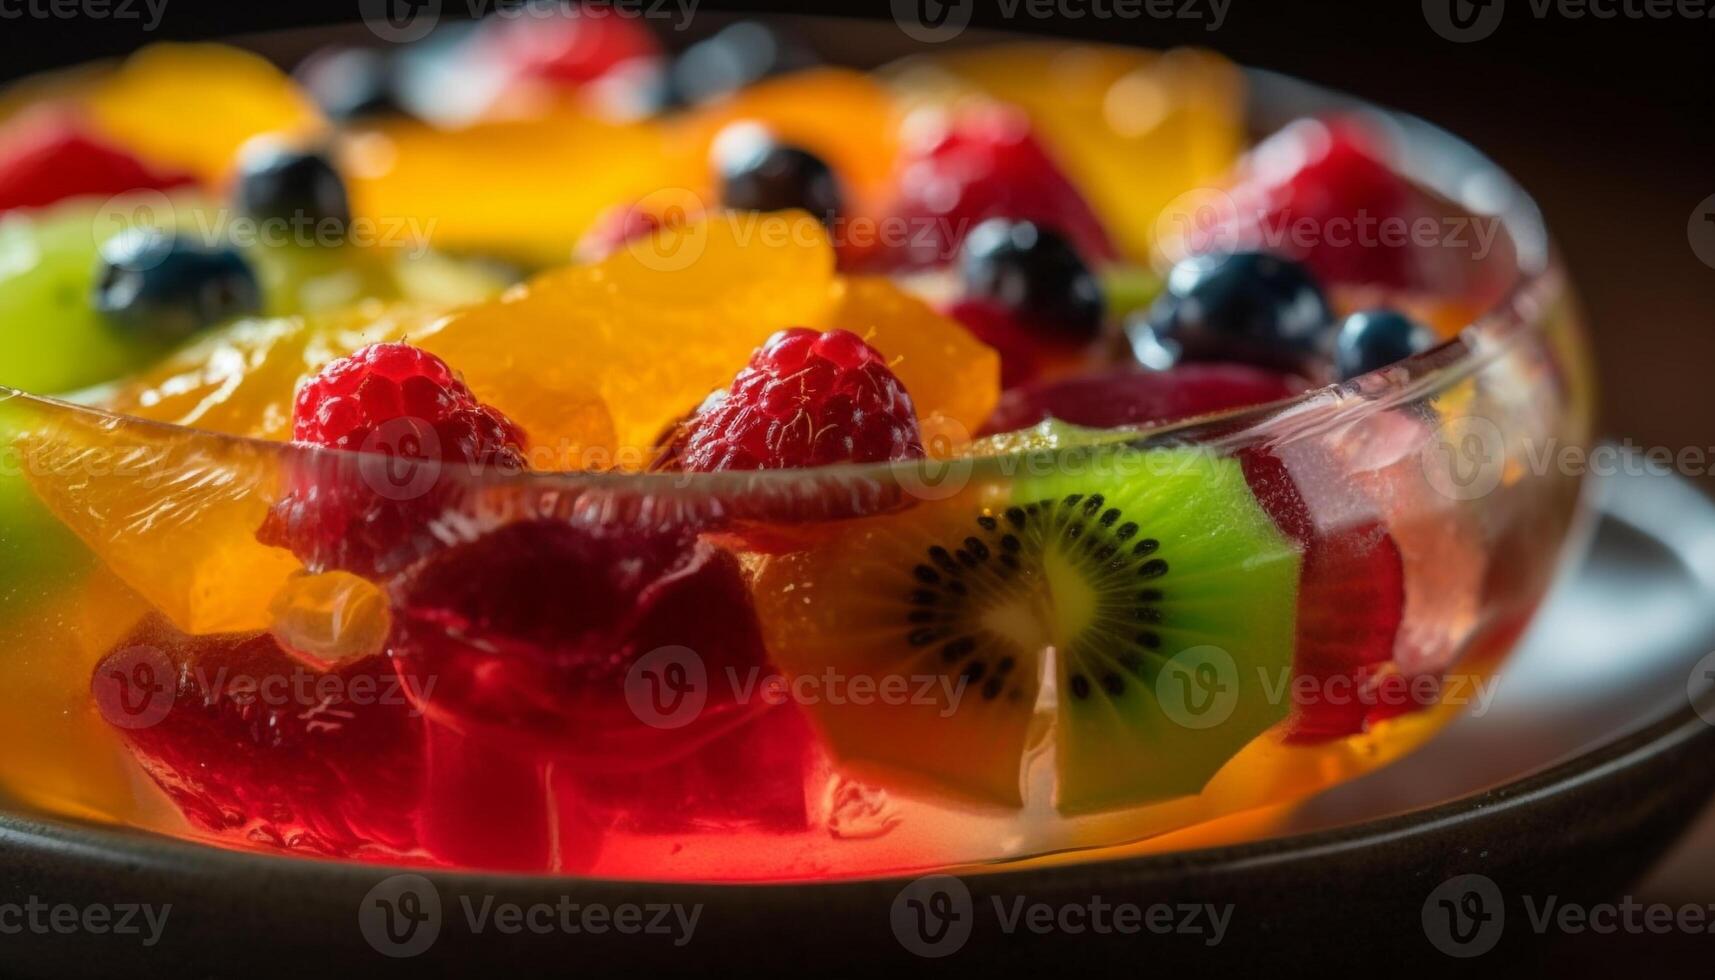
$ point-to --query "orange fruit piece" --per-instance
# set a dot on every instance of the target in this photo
(240, 379)
(191, 106)
(60, 754)
(172, 514)
(953, 378)
(527, 189)
(330, 619)
(648, 332)
(638, 340)
(1133, 129)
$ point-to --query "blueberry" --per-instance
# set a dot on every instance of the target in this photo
(350, 83)
(277, 182)
(739, 55)
(161, 286)
(1250, 307)
(758, 173)
(1372, 339)
(1034, 272)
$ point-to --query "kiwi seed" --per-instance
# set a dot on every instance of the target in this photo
(983, 569)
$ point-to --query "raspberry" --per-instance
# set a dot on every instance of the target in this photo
(985, 163)
(806, 399)
(259, 749)
(410, 414)
(348, 399)
(48, 158)
(530, 634)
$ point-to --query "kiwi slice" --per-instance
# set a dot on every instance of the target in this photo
(1162, 591)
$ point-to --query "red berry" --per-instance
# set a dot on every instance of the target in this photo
(567, 44)
(1343, 176)
(410, 415)
(959, 169)
(1350, 606)
(806, 399)
(255, 747)
(1319, 191)
(621, 225)
(531, 634)
(1128, 396)
(46, 158)
(1351, 602)
(348, 399)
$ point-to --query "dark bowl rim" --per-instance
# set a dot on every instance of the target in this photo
(1671, 728)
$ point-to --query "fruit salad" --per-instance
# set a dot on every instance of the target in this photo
(544, 448)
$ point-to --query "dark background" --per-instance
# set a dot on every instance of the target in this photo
(1606, 121)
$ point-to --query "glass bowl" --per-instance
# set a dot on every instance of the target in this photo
(531, 714)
